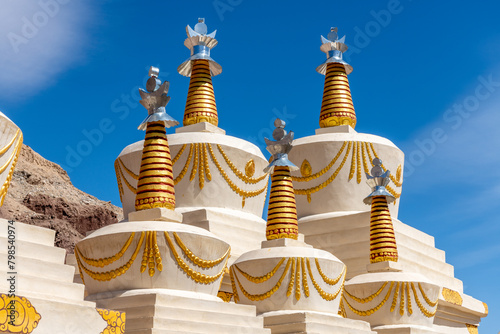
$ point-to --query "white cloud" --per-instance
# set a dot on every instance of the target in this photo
(39, 40)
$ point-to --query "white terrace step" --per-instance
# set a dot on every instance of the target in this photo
(206, 316)
(192, 326)
(35, 251)
(44, 288)
(329, 223)
(314, 322)
(358, 266)
(31, 233)
(39, 268)
(177, 301)
(361, 250)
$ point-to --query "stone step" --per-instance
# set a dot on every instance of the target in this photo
(37, 268)
(361, 250)
(206, 316)
(44, 288)
(314, 322)
(35, 251)
(30, 233)
(192, 326)
(177, 301)
(357, 266)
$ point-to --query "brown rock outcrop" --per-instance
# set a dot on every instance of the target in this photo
(42, 194)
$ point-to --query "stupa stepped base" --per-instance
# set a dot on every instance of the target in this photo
(243, 231)
(458, 313)
(283, 322)
(401, 329)
(156, 311)
(44, 287)
(347, 235)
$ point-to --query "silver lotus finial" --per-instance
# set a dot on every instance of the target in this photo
(199, 43)
(280, 147)
(378, 181)
(155, 100)
(334, 48)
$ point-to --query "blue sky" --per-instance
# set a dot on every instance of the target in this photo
(426, 76)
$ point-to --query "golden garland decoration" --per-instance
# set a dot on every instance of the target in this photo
(6, 147)
(292, 279)
(102, 262)
(122, 177)
(402, 300)
(353, 162)
(327, 280)
(297, 281)
(242, 176)
(195, 163)
(369, 298)
(129, 172)
(325, 295)
(111, 274)
(328, 181)
(13, 158)
(233, 187)
(372, 310)
(267, 294)
(342, 311)
(195, 275)
(304, 278)
(359, 152)
(151, 256)
(195, 259)
(178, 155)
(119, 180)
(393, 179)
(405, 290)
(233, 285)
(410, 310)
(424, 311)
(395, 298)
(205, 162)
(426, 298)
(321, 172)
(263, 278)
(186, 165)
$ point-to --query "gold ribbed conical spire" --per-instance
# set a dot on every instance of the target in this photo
(382, 240)
(200, 103)
(336, 107)
(155, 187)
(282, 210)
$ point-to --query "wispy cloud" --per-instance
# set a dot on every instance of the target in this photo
(38, 40)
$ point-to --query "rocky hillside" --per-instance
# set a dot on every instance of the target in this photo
(42, 194)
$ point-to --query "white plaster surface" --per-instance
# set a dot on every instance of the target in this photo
(284, 322)
(365, 285)
(341, 194)
(110, 239)
(215, 193)
(261, 261)
(170, 311)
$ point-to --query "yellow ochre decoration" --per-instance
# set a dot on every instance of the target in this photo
(151, 256)
(282, 211)
(472, 329)
(225, 296)
(11, 161)
(336, 107)
(294, 267)
(102, 262)
(200, 103)
(406, 291)
(114, 319)
(155, 187)
(17, 315)
(452, 296)
(382, 239)
(361, 155)
(193, 274)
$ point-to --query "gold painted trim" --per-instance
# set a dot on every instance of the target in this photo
(115, 321)
(26, 317)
